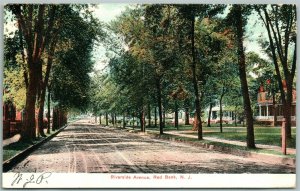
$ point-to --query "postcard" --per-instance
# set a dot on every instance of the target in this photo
(146, 95)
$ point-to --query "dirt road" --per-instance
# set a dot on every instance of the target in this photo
(86, 148)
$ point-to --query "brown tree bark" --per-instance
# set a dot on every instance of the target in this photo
(149, 115)
(159, 102)
(142, 120)
(112, 119)
(195, 80)
(106, 119)
(209, 114)
(124, 121)
(176, 114)
(28, 130)
(155, 117)
(221, 111)
(187, 116)
(243, 77)
(43, 85)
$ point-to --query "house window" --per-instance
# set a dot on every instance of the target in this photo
(263, 111)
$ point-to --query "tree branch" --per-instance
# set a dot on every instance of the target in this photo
(278, 46)
(16, 10)
(277, 28)
(47, 38)
(38, 34)
(279, 78)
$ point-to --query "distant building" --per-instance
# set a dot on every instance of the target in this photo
(264, 111)
(227, 117)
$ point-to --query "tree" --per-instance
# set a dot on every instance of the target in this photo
(238, 18)
(36, 30)
(189, 13)
(149, 36)
(280, 22)
(70, 77)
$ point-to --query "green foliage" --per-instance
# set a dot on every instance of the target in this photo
(70, 80)
(14, 85)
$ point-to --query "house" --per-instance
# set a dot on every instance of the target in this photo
(264, 111)
(227, 117)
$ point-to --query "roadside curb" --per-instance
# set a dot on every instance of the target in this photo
(274, 159)
(9, 163)
(269, 157)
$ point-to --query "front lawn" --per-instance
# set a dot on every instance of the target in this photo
(263, 135)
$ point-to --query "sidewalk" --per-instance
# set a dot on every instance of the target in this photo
(232, 142)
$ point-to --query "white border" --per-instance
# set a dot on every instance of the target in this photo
(91, 180)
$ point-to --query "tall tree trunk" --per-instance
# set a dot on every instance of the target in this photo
(209, 114)
(159, 102)
(187, 116)
(142, 120)
(48, 114)
(149, 115)
(221, 110)
(116, 121)
(164, 117)
(112, 119)
(155, 117)
(288, 110)
(28, 131)
(195, 80)
(35, 43)
(176, 114)
(100, 121)
(243, 78)
(41, 114)
(106, 119)
(124, 121)
(95, 119)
